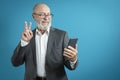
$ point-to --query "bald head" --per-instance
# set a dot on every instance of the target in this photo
(41, 8)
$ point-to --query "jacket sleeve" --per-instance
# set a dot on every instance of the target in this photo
(66, 61)
(18, 56)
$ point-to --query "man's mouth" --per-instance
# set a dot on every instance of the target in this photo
(44, 21)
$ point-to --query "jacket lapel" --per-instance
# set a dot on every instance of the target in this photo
(50, 41)
(33, 45)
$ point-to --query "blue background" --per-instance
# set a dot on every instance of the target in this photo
(95, 22)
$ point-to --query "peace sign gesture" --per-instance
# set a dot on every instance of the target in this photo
(27, 34)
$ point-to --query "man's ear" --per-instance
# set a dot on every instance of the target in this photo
(33, 16)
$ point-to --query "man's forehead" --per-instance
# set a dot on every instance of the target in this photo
(42, 8)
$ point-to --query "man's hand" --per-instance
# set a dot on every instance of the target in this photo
(27, 34)
(71, 53)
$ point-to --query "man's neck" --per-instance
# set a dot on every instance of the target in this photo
(41, 31)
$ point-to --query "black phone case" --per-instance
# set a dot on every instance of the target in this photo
(73, 42)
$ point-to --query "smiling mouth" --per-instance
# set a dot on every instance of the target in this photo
(44, 21)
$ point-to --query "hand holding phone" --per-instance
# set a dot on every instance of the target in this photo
(71, 52)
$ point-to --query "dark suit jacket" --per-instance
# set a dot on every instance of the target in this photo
(55, 60)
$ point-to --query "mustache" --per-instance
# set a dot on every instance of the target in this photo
(44, 22)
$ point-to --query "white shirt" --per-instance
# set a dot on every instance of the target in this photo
(41, 48)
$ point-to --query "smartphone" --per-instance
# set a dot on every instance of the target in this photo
(72, 42)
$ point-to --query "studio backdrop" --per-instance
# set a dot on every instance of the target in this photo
(96, 24)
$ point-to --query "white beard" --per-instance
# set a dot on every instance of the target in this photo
(40, 26)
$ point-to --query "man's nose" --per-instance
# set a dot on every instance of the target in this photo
(45, 18)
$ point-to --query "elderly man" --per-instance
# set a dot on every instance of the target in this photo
(45, 49)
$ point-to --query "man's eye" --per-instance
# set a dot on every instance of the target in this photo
(40, 14)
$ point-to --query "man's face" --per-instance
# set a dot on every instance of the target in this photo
(42, 15)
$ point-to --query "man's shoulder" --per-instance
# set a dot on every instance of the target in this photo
(58, 30)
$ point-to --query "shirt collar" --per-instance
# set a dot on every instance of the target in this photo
(46, 32)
